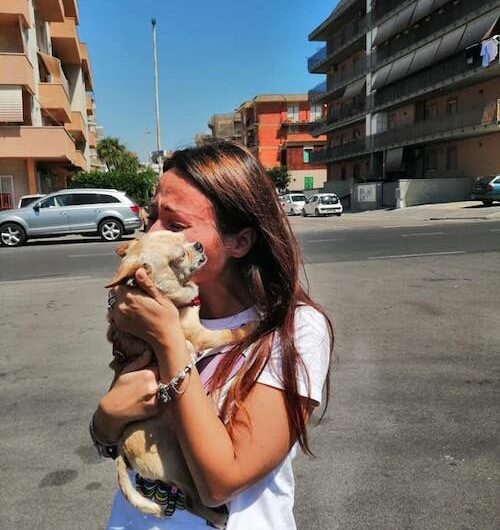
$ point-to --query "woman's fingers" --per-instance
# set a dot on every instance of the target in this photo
(145, 282)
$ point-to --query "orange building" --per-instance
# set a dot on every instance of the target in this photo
(275, 128)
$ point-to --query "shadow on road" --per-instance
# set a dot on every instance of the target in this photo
(78, 240)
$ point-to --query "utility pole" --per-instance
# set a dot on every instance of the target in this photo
(159, 152)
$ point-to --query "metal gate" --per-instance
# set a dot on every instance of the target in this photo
(6, 192)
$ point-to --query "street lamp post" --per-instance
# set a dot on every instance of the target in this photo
(159, 153)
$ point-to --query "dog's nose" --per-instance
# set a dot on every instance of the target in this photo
(198, 247)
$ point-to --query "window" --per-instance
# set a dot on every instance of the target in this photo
(51, 202)
(307, 155)
(315, 112)
(355, 171)
(6, 192)
(451, 157)
(391, 121)
(431, 160)
(293, 113)
(451, 106)
(343, 174)
(431, 111)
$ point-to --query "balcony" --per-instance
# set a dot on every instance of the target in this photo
(476, 120)
(90, 105)
(16, 69)
(87, 71)
(437, 24)
(55, 102)
(92, 140)
(340, 117)
(65, 43)
(436, 76)
(79, 160)
(41, 143)
(50, 10)
(325, 155)
(317, 93)
(320, 62)
(11, 10)
(71, 9)
(77, 127)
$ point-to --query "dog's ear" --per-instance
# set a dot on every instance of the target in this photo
(126, 271)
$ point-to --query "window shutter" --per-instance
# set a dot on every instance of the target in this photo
(11, 104)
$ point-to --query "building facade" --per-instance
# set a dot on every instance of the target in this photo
(47, 112)
(412, 90)
(276, 128)
(226, 126)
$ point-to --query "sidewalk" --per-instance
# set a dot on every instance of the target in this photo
(422, 215)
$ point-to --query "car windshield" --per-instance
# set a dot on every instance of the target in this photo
(298, 198)
(27, 201)
(329, 199)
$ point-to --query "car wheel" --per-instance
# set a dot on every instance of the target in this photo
(338, 214)
(304, 213)
(110, 230)
(487, 203)
(316, 212)
(12, 235)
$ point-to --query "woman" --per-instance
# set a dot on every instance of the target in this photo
(240, 457)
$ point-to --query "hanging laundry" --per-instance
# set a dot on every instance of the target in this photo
(489, 51)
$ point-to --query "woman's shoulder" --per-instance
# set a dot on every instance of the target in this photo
(308, 317)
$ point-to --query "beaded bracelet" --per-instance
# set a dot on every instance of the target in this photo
(167, 392)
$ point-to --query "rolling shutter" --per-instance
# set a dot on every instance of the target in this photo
(11, 104)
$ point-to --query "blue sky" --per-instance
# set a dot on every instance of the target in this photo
(213, 55)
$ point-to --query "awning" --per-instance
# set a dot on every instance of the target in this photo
(449, 44)
(424, 56)
(400, 68)
(394, 25)
(422, 9)
(52, 64)
(354, 88)
(439, 3)
(489, 33)
(384, 31)
(478, 28)
(380, 76)
(394, 160)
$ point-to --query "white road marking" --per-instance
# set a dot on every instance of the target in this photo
(398, 256)
(324, 240)
(422, 234)
(46, 279)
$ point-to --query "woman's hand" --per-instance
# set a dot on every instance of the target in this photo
(132, 397)
(144, 311)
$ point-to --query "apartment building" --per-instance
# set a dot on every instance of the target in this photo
(226, 126)
(276, 128)
(412, 92)
(47, 112)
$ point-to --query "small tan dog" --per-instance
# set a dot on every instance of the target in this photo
(150, 447)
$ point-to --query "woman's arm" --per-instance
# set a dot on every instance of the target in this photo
(221, 466)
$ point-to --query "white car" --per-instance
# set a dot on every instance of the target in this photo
(293, 203)
(323, 204)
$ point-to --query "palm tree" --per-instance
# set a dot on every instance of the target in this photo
(111, 151)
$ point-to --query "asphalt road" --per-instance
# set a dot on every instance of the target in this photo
(85, 257)
(410, 438)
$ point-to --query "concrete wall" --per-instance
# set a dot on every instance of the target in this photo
(425, 191)
(297, 179)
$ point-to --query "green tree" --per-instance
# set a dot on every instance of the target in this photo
(139, 185)
(280, 177)
(116, 156)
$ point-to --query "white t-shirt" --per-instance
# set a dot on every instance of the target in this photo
(268, 504)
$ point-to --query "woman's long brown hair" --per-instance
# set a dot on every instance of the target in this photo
(244, 196)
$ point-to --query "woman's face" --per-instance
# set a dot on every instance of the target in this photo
(181, 207)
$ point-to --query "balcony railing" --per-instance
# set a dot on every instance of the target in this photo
(435, 24)
(338, 117)
(438, 73)
(341, 39)
(317, 92)
(486, 114)
(316, 59)
(328, 154)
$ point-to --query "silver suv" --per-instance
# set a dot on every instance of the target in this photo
(107, 213)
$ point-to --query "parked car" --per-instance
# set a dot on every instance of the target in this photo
(28, 199)
(293, 203)
(487, 189)
(323, 204)
(108, 213)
